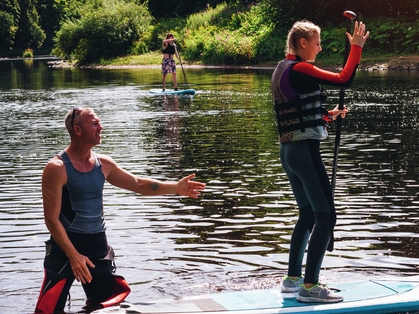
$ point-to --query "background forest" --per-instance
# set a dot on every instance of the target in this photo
(211, 31)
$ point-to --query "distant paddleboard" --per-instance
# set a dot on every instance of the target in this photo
(171, 91)
(371, 296)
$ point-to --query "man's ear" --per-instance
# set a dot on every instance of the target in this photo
(77, 130)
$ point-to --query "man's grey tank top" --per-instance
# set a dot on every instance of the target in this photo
(82, 200)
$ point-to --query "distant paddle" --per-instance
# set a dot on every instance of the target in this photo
(183, 71)
(350, 17)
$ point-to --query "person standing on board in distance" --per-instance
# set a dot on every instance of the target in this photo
(72, 189)
(168, 63)
(297, 95)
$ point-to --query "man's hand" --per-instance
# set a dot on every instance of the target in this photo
(189, 188)
(144, 186)
(79, 265)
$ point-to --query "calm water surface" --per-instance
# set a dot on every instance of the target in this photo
(236, 235)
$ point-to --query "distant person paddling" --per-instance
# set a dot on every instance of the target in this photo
(168, 63)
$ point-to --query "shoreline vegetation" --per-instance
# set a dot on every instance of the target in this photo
(225, 33)
(153, 60)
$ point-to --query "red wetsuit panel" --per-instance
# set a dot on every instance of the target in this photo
(304, 74)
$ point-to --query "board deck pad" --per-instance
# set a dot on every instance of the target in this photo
(171, 91)
(374, 297)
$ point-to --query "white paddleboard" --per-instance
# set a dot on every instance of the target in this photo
(372, 297)
(171, 91)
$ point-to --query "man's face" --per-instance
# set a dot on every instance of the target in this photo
(91, 127)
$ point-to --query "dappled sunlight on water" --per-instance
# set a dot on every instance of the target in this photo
(236, 235)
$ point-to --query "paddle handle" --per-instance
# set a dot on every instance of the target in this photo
(350, 17)
(183, 70)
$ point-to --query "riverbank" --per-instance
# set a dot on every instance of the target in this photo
(152, 60)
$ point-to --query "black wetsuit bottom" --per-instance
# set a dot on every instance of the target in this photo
(59, 277)
(305, 169)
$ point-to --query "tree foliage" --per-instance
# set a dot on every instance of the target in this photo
(106, 28)
(181, 8)
(29, 34)
(91, 29)
(324, 10)
(9, 18)
(237, 33)
(252, 32)
(51, 13)
(330, 13)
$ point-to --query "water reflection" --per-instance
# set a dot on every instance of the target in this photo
(236, 236)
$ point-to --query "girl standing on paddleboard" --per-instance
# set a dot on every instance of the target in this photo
(168, 63)
(298, 98)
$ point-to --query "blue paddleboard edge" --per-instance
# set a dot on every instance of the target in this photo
(389, 297)
(172, 92)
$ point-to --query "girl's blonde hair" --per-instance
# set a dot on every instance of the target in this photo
(301, 29)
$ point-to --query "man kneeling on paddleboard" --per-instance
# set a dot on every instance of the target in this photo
(72, 189)
(168, 63)
(298, 98)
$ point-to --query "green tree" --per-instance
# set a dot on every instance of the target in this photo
(324, 12)
(51, 13)
(106, 28)
(9, 17)
(29, 33)
(183, 8)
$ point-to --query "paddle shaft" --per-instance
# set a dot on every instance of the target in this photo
(350, 16)
(183, 71)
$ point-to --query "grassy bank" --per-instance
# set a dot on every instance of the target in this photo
(154, 59)
(149, 58)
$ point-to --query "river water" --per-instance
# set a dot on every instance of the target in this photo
(236, 235)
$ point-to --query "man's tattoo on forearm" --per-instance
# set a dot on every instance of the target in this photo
(154, 186)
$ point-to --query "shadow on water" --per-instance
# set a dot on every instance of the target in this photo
(236, 235)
